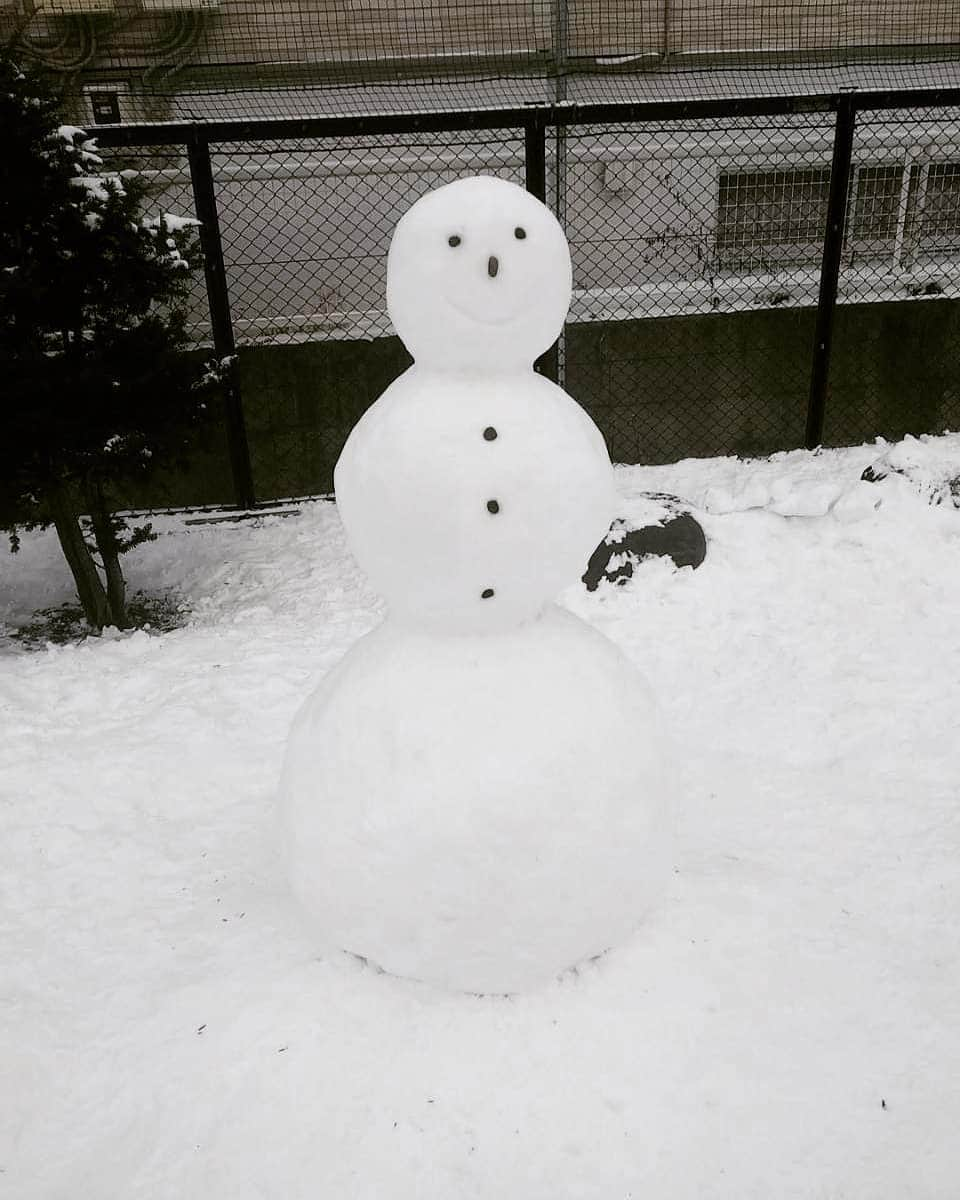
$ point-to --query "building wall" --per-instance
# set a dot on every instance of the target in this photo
(227, 35)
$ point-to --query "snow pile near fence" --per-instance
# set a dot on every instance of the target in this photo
(786, 1024)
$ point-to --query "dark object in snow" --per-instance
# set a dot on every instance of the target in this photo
(936, 488)
(246, 514)
(678, 537)
(65, 623)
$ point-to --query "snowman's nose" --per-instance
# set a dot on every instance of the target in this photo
(493, 266)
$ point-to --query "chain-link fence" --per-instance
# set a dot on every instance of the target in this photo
(696, 260)
(722, 262)
(897, 342)
(307, 225)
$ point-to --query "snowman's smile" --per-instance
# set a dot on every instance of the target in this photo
(503, 316)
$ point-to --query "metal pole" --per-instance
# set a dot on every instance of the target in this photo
(205, 200)
(553, 364)
(535, 161)
(561, 48)
(535, 157)
(830, 268)
(558, 364)
(667, 27)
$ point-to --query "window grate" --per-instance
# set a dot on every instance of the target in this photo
(770, 218)
(767, 220)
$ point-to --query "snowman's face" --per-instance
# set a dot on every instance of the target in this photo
(478, 277)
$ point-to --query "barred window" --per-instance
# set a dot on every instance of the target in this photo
(769, 219)
(896, 212)
(938, 210)
(873, 209)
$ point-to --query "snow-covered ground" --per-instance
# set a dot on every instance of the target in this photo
(786, 1024)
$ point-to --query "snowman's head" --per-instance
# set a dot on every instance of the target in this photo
(478, 277)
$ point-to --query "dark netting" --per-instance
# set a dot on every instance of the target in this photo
(157, 60)
(696, 250)
(896, 359)
(698, 325)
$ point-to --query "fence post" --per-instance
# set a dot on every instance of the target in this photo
(535, 157)
(535, 166)
(830, 268)
(205, 200)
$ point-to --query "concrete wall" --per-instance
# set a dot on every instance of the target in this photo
(659, 389)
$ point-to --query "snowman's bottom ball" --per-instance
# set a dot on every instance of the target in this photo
(477, 812)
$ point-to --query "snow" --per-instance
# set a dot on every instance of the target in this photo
(451, 812)
(419, 469)
(97, 186)
(786, 1022)
(914, 466)
(67, 133)
(170, 222)
(473, 490)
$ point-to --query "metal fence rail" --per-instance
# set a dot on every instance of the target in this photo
(749, 274)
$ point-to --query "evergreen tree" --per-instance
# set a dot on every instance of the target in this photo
(97, 388)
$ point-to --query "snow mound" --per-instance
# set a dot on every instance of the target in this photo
(927, 467)
(931, 465)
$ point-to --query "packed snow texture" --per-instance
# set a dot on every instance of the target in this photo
(459, 809)
(478, 277)
(418, 478)
(786, 1025)
(473, 490)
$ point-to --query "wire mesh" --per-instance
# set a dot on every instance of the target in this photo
(696, 250)
(306, 226)
(897, 342)
(207, 59)
(697, 247)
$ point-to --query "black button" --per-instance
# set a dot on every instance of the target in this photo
(493, 506)
(489, 434)
(486, 593)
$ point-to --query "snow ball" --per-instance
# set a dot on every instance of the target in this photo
(413, 484)
(479, 813)
(478, 277)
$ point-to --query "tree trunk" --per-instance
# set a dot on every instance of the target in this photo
(106, 538)
(90, 589)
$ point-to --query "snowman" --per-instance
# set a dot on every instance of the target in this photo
(474, 796)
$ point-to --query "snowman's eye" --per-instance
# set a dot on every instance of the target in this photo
(519, 233)
(453, 241)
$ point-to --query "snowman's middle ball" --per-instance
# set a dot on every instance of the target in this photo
(438, 514)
